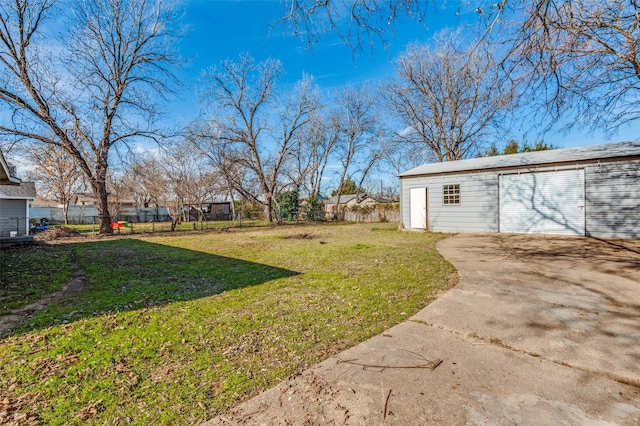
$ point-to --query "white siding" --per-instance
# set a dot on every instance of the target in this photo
(611, 191)
(478, 209)
(613, 199)
(543, 203)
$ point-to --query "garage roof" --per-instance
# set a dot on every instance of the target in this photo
(555, 156)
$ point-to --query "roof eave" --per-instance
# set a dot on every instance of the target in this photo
(622, 151)
(17, 197)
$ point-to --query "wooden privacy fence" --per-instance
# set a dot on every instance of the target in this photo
(376, 213)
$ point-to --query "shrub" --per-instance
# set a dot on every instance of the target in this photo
(312, 210)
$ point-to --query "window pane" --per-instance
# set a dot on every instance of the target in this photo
(451, 194)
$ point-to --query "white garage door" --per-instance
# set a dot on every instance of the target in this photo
(544, 202)
(418, 206)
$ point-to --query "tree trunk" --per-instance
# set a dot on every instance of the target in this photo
(65, 211)
(103, 208)
(268, 213)
(336, 210)
(232, 205)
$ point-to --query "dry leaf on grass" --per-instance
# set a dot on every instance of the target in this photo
(90, 410)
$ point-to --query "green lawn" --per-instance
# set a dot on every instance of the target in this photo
(176, 329)
(28, 274)
(151, 227)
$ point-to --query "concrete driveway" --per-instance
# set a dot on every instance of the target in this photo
(539, 330)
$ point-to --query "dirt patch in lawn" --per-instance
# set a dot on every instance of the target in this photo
(57, 233)
(74, 287)
(303, 236)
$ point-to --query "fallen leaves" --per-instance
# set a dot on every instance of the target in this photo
(17, 410)
(91, 410)
(47, 367)
(126, 362)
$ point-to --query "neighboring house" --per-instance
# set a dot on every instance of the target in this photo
(217, 210)
(85, 199)
(44, 202)
(15, 196)
(89, 199)
(593, 191)
(349, 200)
(142, 214)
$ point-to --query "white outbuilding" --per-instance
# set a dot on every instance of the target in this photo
(592, 191)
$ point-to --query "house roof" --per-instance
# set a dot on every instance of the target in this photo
(25, 190)
(555, 156)
(5, 174)
(44, 202)
(346, 198)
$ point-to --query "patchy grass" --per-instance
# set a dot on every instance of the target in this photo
(26, 274)
(152, 227)
(176, 329)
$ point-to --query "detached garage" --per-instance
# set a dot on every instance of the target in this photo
(593, 191)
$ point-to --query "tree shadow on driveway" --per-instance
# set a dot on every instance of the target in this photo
(572, 300)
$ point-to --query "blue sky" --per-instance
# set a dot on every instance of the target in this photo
(222, 29)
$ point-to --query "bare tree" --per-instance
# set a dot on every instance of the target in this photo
(232, 176)
(92, 91)
(358, 22)
(356, 127)
(118, 190)
(448, 99)
(146, 182)
(58, 175)
(309, 158)
(191, 180)
(581, 59)
(397, 156)
(254, 133)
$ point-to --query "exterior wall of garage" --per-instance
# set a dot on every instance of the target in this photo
(477, 211)
(613, 199)
(610, 199)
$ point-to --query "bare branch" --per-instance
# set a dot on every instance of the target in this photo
(580, 59)
(95, 89)
(448, 99)
(359, 23)
(244, 137)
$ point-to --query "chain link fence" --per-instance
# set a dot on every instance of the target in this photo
(146, 222)
(14, 226)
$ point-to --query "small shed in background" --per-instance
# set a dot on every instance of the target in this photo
(593, 191)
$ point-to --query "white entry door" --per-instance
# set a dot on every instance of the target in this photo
(543, 203)
(418, 205)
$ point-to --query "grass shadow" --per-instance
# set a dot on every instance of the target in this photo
(130, 274)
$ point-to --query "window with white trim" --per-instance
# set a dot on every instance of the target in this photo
(451, 195)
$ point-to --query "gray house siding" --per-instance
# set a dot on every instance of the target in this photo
(613, 199)
(13, 217)
(602, 201)
(477, 210)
